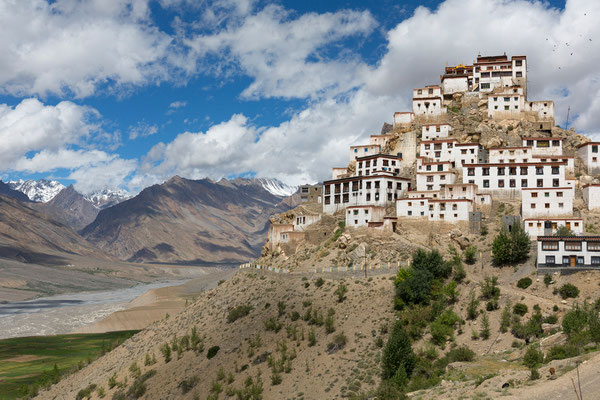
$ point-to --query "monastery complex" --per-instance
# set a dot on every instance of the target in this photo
(427, 173)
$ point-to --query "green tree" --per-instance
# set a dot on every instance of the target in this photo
(432, 262)
(485, 327)
(470, 255)
(397, 353)
(501, 246)
(533, 357)
(416, 288)
(472, 306)
(564, 231)
(505, 318)
(520, 244)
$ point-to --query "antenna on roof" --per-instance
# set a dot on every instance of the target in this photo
(568, 112)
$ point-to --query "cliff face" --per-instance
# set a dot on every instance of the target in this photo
(193, 221)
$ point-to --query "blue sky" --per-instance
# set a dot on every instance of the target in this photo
(127, 93)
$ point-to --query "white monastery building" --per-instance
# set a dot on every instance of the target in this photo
(547, 226)
(431, 132)
(547, 202)
(588, 152)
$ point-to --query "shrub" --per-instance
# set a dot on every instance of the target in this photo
(212, 352)
(188, 384)
(281, 306)
(489, 288)
(276, 379)
(551, 319)
(329, 321)
(568, 291)
(520, 309)
(238, 312)
(433, 262)
(165, 349)
(511, 247)
(319, 282)
(341, 291)
(533, 357)
(562, 351)
(443, 327)
(397, 353)
(524, 283)
(470, 253)
(535, 374)
(462, 353)
(459, 272)
(574, 321)
(472, 306)
(312, 337)
(338, 343)
(271, 324)
(85, 393)
(138, 387)
(505, 318)
(485, 327)
(547, 280)
(295, 316)
(415, 289)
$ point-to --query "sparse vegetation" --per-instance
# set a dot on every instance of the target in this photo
(238, 312)
(341, 291)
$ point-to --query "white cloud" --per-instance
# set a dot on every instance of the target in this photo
(32, 126)
(286, 57)
(74, 47)
(142, 129)
(109, 174)
(46, 161)
(178, 104)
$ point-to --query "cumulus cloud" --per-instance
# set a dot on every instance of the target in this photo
(109, 174)
(178, 104)
(286, 57)
(32, 126)
(72, 47)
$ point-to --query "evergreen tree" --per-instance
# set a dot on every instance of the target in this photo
(501, 248)
(398, 353)
(520, 244)
(485, 327)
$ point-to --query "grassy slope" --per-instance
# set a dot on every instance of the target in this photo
(66, 351)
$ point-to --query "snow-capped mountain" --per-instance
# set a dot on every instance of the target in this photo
(276, 187)
(107, 197)
(41, 190)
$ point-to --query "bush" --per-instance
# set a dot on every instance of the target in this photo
(533, 357)
(485, 327)
(165, 349)
(312, 337)
(415, 289)
(238, 312)
(443, 327)
(574, 321)
(462, 353)
(188, 384)
(338, 343)
(520, 309)
(524, 283)
(562, 351)
(505, 318)
(271, 324)
(329, 321)
(511, 247)
(85, 393)
(568, 291)
(212, 352)
(547, 280)
(551, 319)
(397, 353)
(319, 282)
(470, 253)
(472, 311)
(432, 262)
(341, 291)
(490, 289)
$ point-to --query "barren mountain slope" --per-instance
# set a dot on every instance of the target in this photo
(188, 221)
(70, 208)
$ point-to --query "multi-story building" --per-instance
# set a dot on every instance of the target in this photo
(379, 140)
(373, 164)
(428, 102)
(403, 118)
(450, 150)
(547, 202)
(381, 189)
(434, 180)
(364, 150)
(311, 194)
(544, 146)
(360, 216)
(493, 72)
(547, 226)
(571, 252)
(435, 131)
(590, 156)
(591, 196)
(502, 178)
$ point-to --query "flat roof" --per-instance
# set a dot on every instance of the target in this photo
(589, 143)
(362, 177)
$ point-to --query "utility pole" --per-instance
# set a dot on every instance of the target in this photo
(568, 112)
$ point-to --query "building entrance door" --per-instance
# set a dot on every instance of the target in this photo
(573, 261)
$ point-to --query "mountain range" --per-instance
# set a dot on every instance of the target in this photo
(191, 221)
(179, 221)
